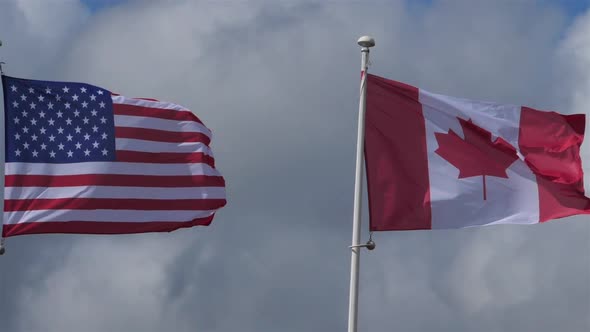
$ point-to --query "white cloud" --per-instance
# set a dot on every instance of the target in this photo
(574, 71)
(103, 285)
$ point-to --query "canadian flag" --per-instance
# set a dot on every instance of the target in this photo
(436, 162)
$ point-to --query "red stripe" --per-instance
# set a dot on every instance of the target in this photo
(111, 204)
(550, 143)
(396, 157)
(89, 227)
(134, 110)
(164, 157)
(161, 135)
(114, 180)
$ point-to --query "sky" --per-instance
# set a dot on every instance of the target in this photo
(277, 82)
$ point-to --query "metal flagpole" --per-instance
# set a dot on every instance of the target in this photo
(2, 248)
(365, 42)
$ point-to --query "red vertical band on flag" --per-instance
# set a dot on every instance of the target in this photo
(550, 143)
(396, 157)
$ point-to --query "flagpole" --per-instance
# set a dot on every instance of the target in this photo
(2, 248)
(366, 43)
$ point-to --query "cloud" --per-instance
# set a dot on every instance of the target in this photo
(35, 33)
(278, 85)
(573, 64)
(125, 288)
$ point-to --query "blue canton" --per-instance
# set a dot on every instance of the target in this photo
(57, 122)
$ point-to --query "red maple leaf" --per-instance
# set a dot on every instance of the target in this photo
(476, 154)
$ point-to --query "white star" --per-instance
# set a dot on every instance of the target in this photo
(69, 121)
(32, 105)
(52, 154)
(70, 153)
(84, 104)
(76, 113)
(13, 88)
(99, 92)
(104, 135)
(95, 129)
(61, 146)
(50, 106)
(48, 90)
(77, 129)
(35, 153)
(16, 120)
(40, 98)
(57, 97)
(92, 97)
(23, 97)
(66, 89)
(34, 137)
(86, 137)
(33, 122)
(51, 138)
(59, 114)
(17, 136)
(78, 145)
(103, 120)
(95, 144)
(104, 152)
(14, 104)
(83, 89)
(42, 130)
(24, 113)
(51, 121)
(26, 146)
(31, 90)
(70, 137)
(17, 152)
(67, 105)
(41, 114)
(75, 97)
(101, 104)
(94, 112)
(85, 120)
(60, 130)
(25, 130)
(86, 152)
(43, 146)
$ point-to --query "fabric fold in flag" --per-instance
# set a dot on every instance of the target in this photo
(438, 162)
(80, 159)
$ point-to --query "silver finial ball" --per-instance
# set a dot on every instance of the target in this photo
(371, 245)
(366, 41)
(2, 251)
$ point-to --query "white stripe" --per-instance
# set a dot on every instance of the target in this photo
(502, 120)
(16, 217)
(114, 192)
(148, 103)
(160, 124)
(150, 146)
(99, 167)
(458, 202)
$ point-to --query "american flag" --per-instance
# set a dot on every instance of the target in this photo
(80, 159)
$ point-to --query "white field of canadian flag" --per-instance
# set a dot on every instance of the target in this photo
(438, 162)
